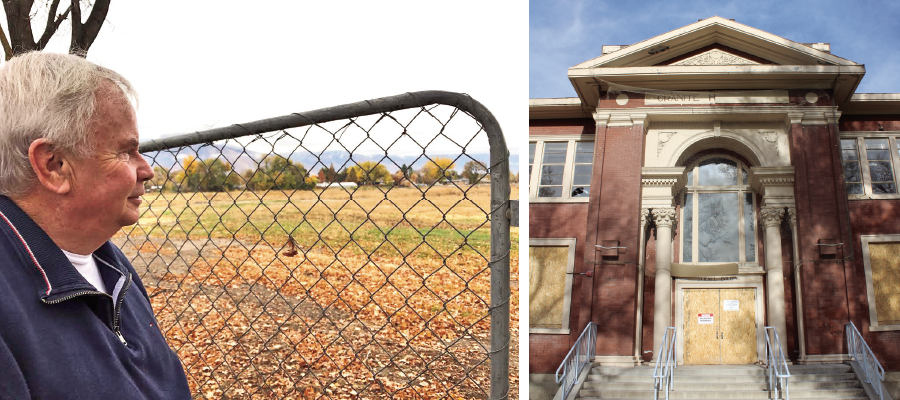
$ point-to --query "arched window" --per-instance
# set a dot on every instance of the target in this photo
(718, 214)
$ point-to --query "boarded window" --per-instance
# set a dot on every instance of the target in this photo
(547, 286)
(885, 264)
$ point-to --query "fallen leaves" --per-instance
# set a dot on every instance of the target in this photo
(249, 322)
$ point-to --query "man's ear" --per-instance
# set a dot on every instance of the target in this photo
(52, 169)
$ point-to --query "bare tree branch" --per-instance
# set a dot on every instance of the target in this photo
(75, 7)
(52, 24)
(18, 14)
(84, 33)
(7, 50)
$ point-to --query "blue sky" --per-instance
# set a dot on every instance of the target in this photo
(564, 33)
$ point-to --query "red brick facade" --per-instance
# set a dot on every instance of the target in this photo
(791, 140)
(834, 291)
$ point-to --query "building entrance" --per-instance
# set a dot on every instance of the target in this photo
(720, 326)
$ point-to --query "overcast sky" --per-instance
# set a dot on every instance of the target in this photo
(212, 63)
(567, 32)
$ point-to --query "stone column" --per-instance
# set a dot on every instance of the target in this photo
(662, 303)
(792, 218)
(639, 315)
(771, 218)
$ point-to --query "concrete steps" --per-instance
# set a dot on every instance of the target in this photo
(835, 382)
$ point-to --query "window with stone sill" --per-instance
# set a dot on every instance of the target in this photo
(870, 165)
(560, 170)
(718, 213)
(551, 263)
(881, 259)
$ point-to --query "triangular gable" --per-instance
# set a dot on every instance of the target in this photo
(715, 31)
(716, 54)
(715, 57)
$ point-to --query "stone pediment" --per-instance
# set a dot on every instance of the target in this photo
(749, 43)
(716, 54)
(715, 57)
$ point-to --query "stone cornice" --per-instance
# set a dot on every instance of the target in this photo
(794, 117)
(813, 116)
(619, 118)
(601, 118)
(639, 118)
(787, 113)
(673, 176)
(761, 177)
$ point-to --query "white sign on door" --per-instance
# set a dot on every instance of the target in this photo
(732, 305)
(704, 318)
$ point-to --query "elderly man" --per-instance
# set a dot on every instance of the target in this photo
(75, 320)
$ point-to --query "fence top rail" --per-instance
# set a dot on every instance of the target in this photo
(367, 107)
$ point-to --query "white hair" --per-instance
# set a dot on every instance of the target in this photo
(50, 96)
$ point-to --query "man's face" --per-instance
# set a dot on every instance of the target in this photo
(107, 187)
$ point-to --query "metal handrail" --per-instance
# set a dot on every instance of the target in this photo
(862, 354)
(664, 372)
(777, 365)
(582, 353)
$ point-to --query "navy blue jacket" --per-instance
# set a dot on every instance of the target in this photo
(62, 339)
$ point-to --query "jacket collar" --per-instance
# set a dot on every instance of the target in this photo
(59, 278)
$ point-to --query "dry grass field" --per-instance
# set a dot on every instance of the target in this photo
(308, 294)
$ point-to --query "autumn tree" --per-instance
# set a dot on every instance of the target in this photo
(402, 178)
(474, 171)
(21, 38)
(188, 179)
(211, 175)
(277, 172)
(328, 174)
(369, 172)
(218, 176)
(406, 169)
(438, 169)
(161, 179)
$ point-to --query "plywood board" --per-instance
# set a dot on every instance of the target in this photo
(700, 344)
(546, 285)
(885, 262)
(738, 327)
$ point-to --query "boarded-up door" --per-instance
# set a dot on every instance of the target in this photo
(719, 326)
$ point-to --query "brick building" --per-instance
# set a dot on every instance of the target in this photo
(719, 179)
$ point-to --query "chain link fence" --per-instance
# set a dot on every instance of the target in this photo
(358, 251)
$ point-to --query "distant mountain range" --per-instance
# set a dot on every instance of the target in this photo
(243, 159)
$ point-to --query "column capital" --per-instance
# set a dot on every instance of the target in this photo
(645, 217)
(792, 217)
(664, 216)
(771, 216)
